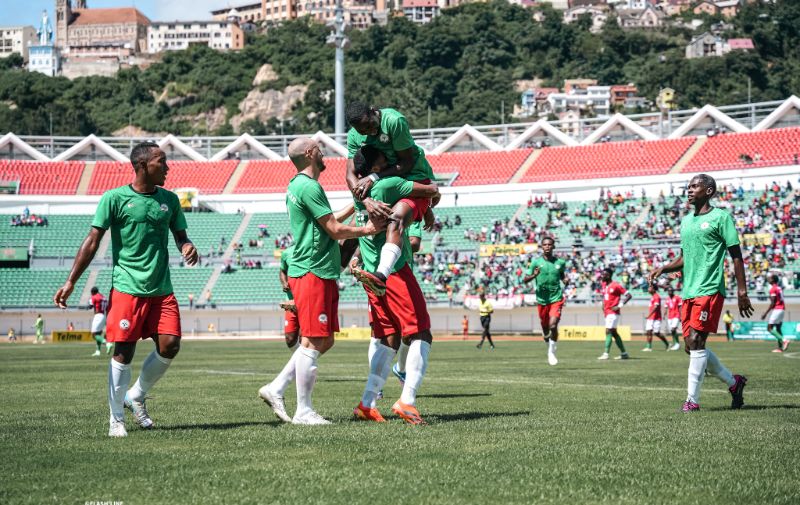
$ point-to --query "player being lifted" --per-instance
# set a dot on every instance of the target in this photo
(386, 130)
(141, 216)
(706, 234)
(548, 271)
(777, 306)
(401, 312)
(653, 322)
(614, 297)
(674, 303)
(312, 273)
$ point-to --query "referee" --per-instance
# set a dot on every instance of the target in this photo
(485, 309)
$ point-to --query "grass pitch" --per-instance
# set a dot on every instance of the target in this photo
(504, 428)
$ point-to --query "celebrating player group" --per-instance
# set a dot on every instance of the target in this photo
(393, 198)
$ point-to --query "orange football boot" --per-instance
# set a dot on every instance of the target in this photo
(368, 414)
(408, 413)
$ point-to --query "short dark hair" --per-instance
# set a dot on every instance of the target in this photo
(708, 182)
(356, 111)
(95, 290)
(364, 160)
(609, 271)
(548, 237)
(774, 278)
(141, 152)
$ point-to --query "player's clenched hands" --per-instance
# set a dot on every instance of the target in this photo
(189, 253)
(60, 298)
(745, 307)
(376, 209)
(361, 190)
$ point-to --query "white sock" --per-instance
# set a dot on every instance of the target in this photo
(402, 355)
(718, 370)
(286, 376)
(306, 374)
(551, 346)
(377, 374)
(373, 347)
(697, 367)
(417, 364)
(153, 368)
(389, 255)
(119, 376)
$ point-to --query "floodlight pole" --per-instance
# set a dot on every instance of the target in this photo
(339, 69)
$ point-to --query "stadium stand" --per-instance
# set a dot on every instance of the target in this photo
(265, 176)
(207, 229)
(61, 237)
(43, 177)
(207, 177)
(481, 167)
(729, 151)
(611, 159)
(33, 288)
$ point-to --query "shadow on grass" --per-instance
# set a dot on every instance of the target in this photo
(220, 426)
(755, 407)
(472, 416)
(454, 395)
(335, 379)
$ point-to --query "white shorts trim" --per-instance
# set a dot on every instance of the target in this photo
(776, 316)
(98, 323)
(653, 325)
(674, 323)
(612, 320)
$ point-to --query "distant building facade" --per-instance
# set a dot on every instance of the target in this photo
(179, 35)
(99, 33)
(15, 40)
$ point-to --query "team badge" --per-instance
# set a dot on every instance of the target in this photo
(124, 324)
(704, 226)
(164, 207)
(323, 318)
(383, 138)
(130, 205)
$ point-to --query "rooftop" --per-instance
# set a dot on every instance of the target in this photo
(109, 16)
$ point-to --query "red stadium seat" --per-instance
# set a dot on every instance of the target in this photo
(730, 151)
(612, 159)
(43, 177)
(209, 177)
(481, 167)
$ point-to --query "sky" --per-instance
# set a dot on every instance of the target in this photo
(29, 12)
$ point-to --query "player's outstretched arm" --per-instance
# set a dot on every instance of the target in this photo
(342, 214)
(745, 307)
(186, 247)
(339, 231)
(424, 191)
(82, 260)
(675, 266)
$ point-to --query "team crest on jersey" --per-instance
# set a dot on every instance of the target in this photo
(323, 318)
(164, 207)
(130, 205)
(124, 324)
(383, 138)
(704, 226)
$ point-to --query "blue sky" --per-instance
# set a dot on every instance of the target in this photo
(29, 12)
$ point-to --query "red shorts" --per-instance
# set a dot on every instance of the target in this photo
(317, 302)
(419, 206)
(702, 313)
(131, 318)
(402, 309)
(290, 324)
(550, 311)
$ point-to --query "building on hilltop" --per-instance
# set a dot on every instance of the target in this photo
(15, 40)
(99, 33)
(179, 35)
(358, 13)
(599, 16)
(708, 44)
(647, 18)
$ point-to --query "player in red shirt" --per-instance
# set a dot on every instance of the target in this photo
(653, 323)
(674, 303)
(100, 306)
(777, 306)
(614, 297)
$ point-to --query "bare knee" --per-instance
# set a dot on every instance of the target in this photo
(168, 346)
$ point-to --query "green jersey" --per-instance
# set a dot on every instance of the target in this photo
(389, 191)
(548, 282)
(140, 226)
(314, 250)
(415, 229)
(394, 135)
(286, 257)
(704, 242)
(39, 325)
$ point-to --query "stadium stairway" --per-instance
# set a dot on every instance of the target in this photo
(641, 218)
(523, 169)
(235, 177)
(688, 155)
(212, 281)
(86, 178)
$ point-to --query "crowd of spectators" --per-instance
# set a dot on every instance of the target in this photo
(28, 219)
